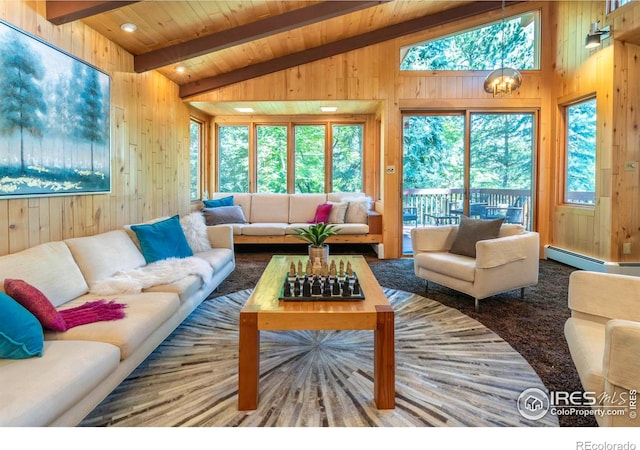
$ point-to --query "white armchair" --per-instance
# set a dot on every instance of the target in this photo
(603, 334)
(502, 264)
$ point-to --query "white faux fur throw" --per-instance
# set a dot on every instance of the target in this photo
(160, 272)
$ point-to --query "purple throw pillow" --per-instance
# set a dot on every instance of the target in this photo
(322, 213)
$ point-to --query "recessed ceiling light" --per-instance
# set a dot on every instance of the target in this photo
(180, 69)
(129, 27)
(328, 108)
(244, 109)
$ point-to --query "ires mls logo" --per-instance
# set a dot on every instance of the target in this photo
(533, 403)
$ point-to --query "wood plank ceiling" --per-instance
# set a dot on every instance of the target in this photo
(224, 42)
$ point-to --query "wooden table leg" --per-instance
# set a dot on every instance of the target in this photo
(248, 361)
(384, 363)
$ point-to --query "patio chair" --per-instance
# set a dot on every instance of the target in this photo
(410, 214)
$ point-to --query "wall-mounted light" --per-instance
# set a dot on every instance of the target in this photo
(244, 109)
(328, 108)
(595, 35)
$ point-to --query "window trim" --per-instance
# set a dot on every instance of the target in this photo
(200, 189)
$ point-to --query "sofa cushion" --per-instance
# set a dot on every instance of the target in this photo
(20, 332)
(184, 287)
(471, 231)
(586, 341)
(195, 230)
(162, 240)
(358, 209)
(217, 257)
(104, 254)
(217, 202)
(242, 199)
(265, 229)
(36, 391)
(450, 264)
(510, 229)
(36, 303)
(224, 215)
(145, 313)
(303, 207)
(270, 208)
(43, 266)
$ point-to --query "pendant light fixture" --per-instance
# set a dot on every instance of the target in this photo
(504, 80)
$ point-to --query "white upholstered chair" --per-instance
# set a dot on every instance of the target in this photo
(603, 334)
(501, 264)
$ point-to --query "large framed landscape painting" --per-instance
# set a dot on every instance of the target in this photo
(54, 120)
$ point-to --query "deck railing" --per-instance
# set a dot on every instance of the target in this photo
(438, 206)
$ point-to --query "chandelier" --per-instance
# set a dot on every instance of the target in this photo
(504, 80)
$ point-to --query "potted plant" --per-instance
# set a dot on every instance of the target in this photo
(316, 235)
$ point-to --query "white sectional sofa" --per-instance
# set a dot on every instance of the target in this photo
(81, 366)
(272, 218)
(603, 335)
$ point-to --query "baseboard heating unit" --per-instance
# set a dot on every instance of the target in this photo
(585, 262)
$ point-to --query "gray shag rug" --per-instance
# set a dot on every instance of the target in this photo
(450, 371)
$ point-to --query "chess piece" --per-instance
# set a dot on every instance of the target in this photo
(356, 287)
(306, 287)
(349, 269)
(299, 268)
(326, 291)
(317, 266)
(287, 289)
(296, 287)
(332, 269)
(325, 269)
(292, 270)
(346, 289)
(341, 272)
(336, 286)
(309, 269)
(316, 288)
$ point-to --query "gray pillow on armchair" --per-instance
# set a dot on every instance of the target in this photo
(471, 231)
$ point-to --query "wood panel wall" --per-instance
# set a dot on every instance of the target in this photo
(372, 73)
(149, 144)
(611, 73)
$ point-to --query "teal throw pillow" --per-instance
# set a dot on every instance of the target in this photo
(224, 201)
(21, 334)
(162, 240)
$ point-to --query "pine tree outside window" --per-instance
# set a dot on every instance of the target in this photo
(580, 176)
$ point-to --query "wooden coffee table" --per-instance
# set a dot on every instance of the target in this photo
(263, 311)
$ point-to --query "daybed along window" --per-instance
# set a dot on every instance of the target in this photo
(580, 162)
(195, 149)
(233, 158)
(480, 48)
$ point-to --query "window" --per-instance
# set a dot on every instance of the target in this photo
(346, 151)
(195, 148)
(319, 157)
(233, 158)
(271, 146)
(612, 5)
(580, 176)
(309, 165)
(480, 48)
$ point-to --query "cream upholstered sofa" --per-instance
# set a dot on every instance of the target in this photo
(272, 218)
(502, 264)
(79, 367)
(603, 334)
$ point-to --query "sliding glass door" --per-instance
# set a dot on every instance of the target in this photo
(480, 164)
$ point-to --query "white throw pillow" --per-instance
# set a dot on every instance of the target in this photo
(338, 212)
(358, 210)
(195, 230)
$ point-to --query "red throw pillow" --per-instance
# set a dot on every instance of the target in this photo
(36, 303)
(322, 213)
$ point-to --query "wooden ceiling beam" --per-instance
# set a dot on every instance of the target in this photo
(246, 33)
(338, 47)
(61, 12)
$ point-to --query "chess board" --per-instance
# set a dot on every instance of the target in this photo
(321, 288)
